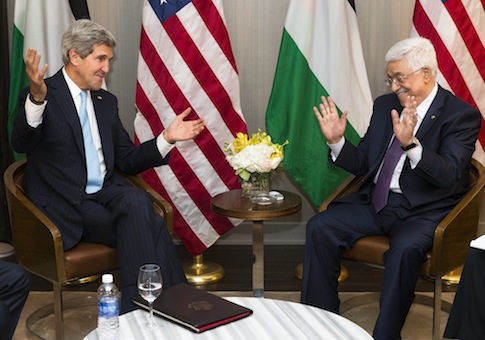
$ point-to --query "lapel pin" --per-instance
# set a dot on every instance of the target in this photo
(100, 98)
(433, 116)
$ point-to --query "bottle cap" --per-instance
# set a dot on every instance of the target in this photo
(107, 278)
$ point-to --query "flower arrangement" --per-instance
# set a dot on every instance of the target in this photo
(254, 158)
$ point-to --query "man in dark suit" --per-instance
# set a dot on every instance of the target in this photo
(434, 134)
(467, 315)
(14, 290)
(71, 132)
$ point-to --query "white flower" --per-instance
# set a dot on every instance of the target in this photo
(255, 158)
(257, 155)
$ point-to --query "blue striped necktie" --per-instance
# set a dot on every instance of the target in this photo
(95, 180)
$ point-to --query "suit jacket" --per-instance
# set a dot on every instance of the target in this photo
(447, 133)
(55, 176)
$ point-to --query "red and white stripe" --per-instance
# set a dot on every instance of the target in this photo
(457, 30)
(187, 61)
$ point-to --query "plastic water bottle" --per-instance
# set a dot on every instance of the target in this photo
(108, 312)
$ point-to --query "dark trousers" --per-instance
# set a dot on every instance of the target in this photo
(122, 217)
(467, 316)
(338, 228)
(14, 289)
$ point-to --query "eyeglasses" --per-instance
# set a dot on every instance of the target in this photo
(398, 80)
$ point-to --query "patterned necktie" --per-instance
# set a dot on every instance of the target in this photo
(95, 180)
(381, 189)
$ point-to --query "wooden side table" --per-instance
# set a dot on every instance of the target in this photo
(7, 252)
(231, 204)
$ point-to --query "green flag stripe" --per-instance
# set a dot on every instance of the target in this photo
(290, 116)
(18, 80)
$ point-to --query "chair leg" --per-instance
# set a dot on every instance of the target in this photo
(437, 309)
(435, 302)
(344, 272)
(58, 314)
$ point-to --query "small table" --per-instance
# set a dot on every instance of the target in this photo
(231, 204)
(271, 320)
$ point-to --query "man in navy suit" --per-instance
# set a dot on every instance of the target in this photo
(435, 135)
(86, 199)
(467, 315)
(14, 290)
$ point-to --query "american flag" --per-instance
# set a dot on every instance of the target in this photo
(185, 61)
(457, 30)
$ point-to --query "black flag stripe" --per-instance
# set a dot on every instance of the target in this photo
(79, 9)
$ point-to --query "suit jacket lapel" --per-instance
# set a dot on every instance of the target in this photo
(104, 132)
(434, 112)
(388, 132)
(59, 91)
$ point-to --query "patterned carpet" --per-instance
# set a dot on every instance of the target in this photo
(80, 314)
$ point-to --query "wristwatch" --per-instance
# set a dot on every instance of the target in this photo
(414, 144)
(36, 102)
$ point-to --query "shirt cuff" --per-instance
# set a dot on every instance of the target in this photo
(163, 146)
(415, 155)
(34, 113)
(336, 148)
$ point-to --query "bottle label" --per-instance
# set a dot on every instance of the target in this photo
(108, 307)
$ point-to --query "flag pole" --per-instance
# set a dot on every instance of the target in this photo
(199, 272)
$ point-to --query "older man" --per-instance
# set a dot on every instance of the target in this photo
(71, 132)
(416, 154)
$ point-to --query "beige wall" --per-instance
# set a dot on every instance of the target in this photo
(255, 28)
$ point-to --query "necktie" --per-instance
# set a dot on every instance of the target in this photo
(381, 189)
(95, 180)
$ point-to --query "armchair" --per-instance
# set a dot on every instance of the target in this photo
(38, 242)
(450, 246)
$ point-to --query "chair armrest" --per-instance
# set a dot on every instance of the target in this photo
(159, 203)
(37, 240)
(454, 233)
(349, 185)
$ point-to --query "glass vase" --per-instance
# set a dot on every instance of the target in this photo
(260, 187)
(246, 188)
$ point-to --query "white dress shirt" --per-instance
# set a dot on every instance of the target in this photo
(34, 114)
